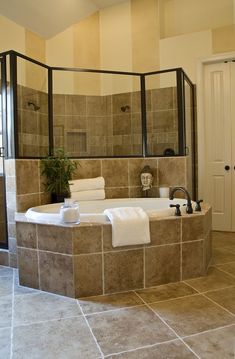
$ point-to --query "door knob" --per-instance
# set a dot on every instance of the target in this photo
(227, 168)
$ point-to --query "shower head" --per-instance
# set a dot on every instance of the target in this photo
(125, 108)
(33, 105)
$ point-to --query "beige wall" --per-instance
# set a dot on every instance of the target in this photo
(186, 16)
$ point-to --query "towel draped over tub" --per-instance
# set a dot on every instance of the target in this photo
(130, 226)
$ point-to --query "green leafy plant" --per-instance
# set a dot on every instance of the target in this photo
(58, 170)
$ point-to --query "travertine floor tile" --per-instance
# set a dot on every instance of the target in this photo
(5, 343)
(165, 292)
(229, 267)
(215, 279)
(215, 344)
(222, 255)
(5, 286)
(172, 350)
(5, 311)
(224, 297)
(109, 302)
(41, 306)
(127, 329)
(6, 271)
(60, 339)
(192, 315)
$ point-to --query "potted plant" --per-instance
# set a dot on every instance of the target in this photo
(58, 170)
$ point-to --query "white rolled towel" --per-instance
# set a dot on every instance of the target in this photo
(86, 184)
(88, 195)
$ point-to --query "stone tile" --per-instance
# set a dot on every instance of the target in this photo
(41, 306)
(58, 104)
(137, 165)
(18, 289)
(5, 343)
(216, 344)
(165, 231)
(171, 172)
(162, 98)
(123, 270)
(229, 268)
(172, 350)
(122, 124)
(6, 271)
(193, 259)
(6, 311)
(26, 235)
(88, 275)
(87, 239)
(109, 302)
(192, 315)
(87, 169)
(120, 100)
(192, 228)
(224, 297)
(27, 201)
(28, 267)
(215, 279)
(208, 249)
(56, 273)
(13, 260)
(115, 172)
(221, 256)
(122, 192)
(6, 285)
(55, 339)
(4, 257)
(25, 182)
(55, 238)
(165, 292)
(223, 239)
(75, 105)
(162, 265)
(127, 329)
(98, 105)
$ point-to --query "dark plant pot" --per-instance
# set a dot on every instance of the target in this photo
(57, 198)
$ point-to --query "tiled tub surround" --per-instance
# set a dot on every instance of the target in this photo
(24, 184)
(79, 260)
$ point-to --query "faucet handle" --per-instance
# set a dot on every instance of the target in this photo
(198, 206)
(177, 209)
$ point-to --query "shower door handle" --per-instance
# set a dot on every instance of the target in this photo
(2, 152)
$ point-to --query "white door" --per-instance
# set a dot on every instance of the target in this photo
(218, 142)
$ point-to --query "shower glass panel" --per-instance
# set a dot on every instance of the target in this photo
(190, 135)
(162, 114)
(32, 109)
(3, 218)
(97, 114)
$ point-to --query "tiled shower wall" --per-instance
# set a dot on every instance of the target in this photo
(97, 125)
(32, 122)
(122, 180)
(2, 211)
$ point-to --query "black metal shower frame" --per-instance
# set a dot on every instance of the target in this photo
(11, 135)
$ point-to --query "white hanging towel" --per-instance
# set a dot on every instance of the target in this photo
(86, 184)
(130, 226)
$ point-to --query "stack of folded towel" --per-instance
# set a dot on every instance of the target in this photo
(130, 225)
(87, 189)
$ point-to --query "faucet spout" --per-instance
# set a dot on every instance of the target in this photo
(189, 208)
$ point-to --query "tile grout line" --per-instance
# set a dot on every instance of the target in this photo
(88, 325)
(114, 310)
(143, 347)
(222, 270)
(12, 312)
(169, 327)
(217, 304)
(208, 331)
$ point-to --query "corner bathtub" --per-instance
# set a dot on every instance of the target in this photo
(92, 211)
